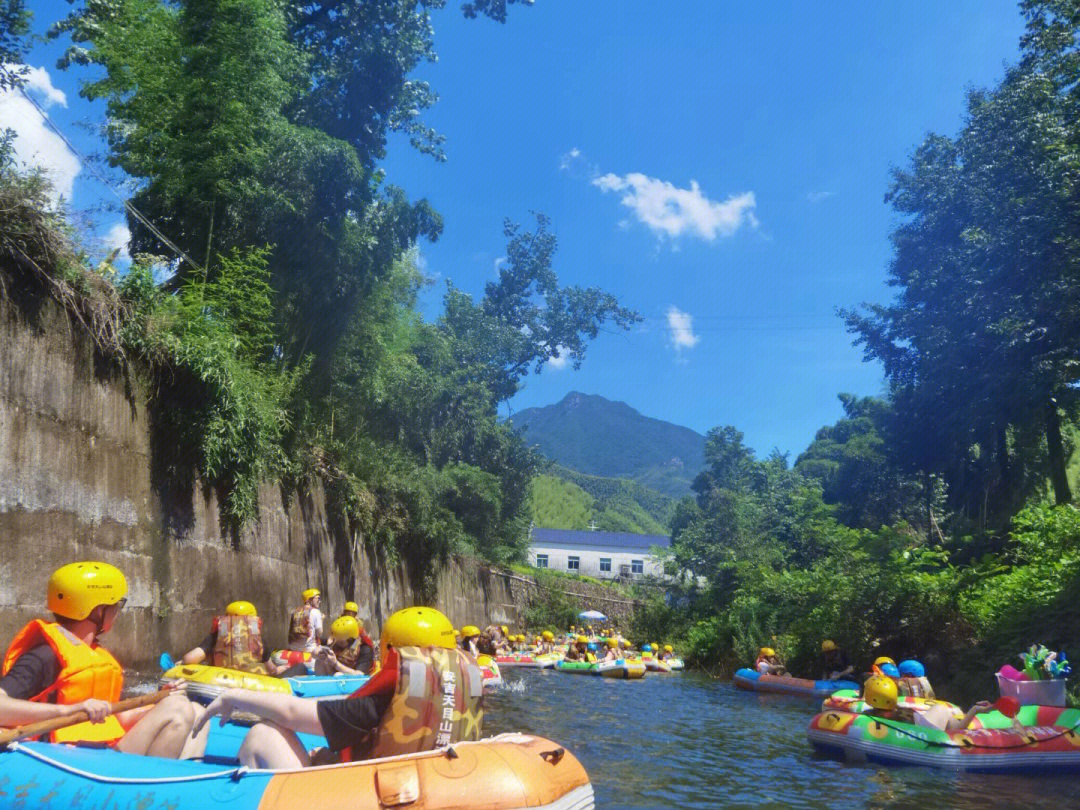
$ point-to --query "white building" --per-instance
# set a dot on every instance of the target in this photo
(603, 555)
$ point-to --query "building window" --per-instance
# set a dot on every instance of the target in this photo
(541, 560)
(605, 565)
(573, 563)
(637, 566)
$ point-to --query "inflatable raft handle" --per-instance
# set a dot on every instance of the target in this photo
(553, 757)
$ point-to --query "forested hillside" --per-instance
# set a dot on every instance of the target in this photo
(272, 295)
(595, 436)
(936, 521)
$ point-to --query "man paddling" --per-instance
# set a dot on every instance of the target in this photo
(57, 668)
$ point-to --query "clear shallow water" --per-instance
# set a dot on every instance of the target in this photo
(686, 740)
(689, 741)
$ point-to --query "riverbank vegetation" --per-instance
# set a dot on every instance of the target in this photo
(272, 294)
(937, 520)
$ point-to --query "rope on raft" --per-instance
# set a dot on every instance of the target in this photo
(972, 744)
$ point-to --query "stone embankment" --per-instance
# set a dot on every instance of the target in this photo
(82, 478)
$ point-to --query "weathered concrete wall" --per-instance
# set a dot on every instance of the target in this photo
(80, 478)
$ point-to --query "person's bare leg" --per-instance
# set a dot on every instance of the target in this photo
(163, 732)
(195, 746)
(268, 745)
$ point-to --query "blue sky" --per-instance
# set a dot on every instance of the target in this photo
(722, 172)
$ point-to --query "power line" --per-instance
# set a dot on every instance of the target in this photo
(131, 209)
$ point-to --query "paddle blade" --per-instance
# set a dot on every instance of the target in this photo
(1008, 706)
(166, 662)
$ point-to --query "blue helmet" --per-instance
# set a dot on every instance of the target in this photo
(592, 646)
(646, 647)
(912, 669)
(890, 670)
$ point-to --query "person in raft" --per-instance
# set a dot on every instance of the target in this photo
(57, 668)
(881, 694)
(579, 651)
(350, 609)
(306, 623)
(546, 646)
(612, 653)
(835, 663)
(235, 641)
(668, 653)
(768, 663)
(428, 695)
(470, 636)
(349, 652)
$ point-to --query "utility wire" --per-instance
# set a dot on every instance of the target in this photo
(131, 209)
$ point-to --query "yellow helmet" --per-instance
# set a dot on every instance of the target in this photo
(572, 628)
(344, 628)
(884, 659)
(548, 635)
(668, 648)
(828, 645)
(417, 627)
(880, 692)
(505, 630)
(470, 630)
(656, 646)
(240, 608)
(457, 634)
(626, 643)
(311, 593)
(355, 608)
(581, 640)
(521, 637)
(77, 588)
(613, 643)
(767, 652)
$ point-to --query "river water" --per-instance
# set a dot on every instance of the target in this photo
(686, 740)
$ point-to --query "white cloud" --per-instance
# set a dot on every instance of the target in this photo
(568, 159)
(559, 362)
(681, 330)
(117, 238)
(671, 211)
(499, 262)
(35, 143)
(815, 197)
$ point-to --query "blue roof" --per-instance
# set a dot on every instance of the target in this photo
(612, 540)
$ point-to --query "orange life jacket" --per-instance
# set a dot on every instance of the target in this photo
(300, 625)
(239, 643)
(437, 701)
(86, 671)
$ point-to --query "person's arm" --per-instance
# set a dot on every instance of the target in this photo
(15, 712)
(287, 711)
(194, 656)
(978, 708)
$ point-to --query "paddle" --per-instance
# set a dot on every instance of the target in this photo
(166, 662)
(48, 726)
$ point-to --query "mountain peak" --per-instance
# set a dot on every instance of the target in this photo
(598, 436)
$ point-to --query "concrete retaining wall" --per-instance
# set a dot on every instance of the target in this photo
(80, 478)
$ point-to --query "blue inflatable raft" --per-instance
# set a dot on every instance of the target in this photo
(756, 682)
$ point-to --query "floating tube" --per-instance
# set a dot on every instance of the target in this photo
(490, 671)
(676, 664)
(206, 682)
(655, 665)
(756, 682)
(526, 660)
(1049, 741)
(847, 700)
(510, 771)
(622, 668)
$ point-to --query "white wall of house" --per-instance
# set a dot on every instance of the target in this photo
(590, 560)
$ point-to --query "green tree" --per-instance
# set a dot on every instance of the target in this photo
(14, 26)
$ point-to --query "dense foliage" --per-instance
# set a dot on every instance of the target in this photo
(935, 521)
(564, 499)
(272, 297)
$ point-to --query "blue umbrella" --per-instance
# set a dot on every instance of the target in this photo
(592, 615)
